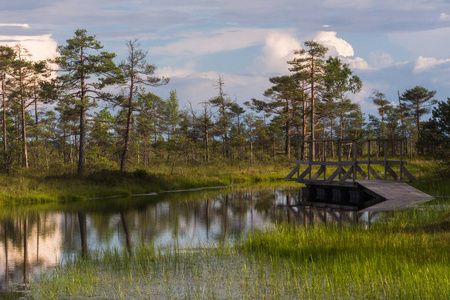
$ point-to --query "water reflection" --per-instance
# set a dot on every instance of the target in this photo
(36, 238)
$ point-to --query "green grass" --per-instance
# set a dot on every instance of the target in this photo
(35, 187)
(403, 257)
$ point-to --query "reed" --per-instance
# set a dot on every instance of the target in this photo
(28, 187)
(405, 256)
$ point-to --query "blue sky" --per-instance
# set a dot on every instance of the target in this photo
(390, 45)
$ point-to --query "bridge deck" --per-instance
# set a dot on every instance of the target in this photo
(397, 195)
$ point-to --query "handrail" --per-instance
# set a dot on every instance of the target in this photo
(354, 163)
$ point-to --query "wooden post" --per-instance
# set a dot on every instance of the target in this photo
(310, 157)
(355, 163)
(339, 155)
(385, 159)
(401, 158)
(324, 160)
(368, 159)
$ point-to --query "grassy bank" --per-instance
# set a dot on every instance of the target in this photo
(35, 187)
(404, 257)
(40, 186)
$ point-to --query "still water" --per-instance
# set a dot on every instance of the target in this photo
(34, 239)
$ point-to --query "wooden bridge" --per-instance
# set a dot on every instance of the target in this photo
(355, 179)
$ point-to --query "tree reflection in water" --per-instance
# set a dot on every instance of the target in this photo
(36, 238)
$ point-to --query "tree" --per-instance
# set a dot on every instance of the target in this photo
(434, 139)
(7, 55)
(78, 64)
(338, 81)
(311, 65)
(418, 101)
(137, 73)
(223, 104)
(283, 100)
(171, 114)
(384, 107)
(25, 74)
(150, 120)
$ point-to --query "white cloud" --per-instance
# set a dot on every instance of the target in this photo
(380, 59)
(278, 49)
(226, 39)
(444, 17)
(357, 63)
(14, 25)
(335, 45)
(426, 63)
(40, 46)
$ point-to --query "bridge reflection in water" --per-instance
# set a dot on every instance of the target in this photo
(34, 239)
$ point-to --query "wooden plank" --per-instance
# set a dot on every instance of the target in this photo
(333, 215)
(315, 211)
(306, 213)
(408, 174)
(347, 163)
(302, 176)
(347, 175)
(292, 173)
(360, 171)
(397, 195)
(318, 173)
(322, 163)
(374, 173)
(391, 172)
(338, 171)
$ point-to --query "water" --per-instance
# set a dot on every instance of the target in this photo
(34, 239)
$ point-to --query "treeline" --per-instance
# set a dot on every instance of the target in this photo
(50, 121)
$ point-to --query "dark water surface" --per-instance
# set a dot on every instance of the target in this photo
(34, 239)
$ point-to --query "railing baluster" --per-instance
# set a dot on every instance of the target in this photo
(368, 159)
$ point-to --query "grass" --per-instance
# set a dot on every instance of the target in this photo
(38, 187)
(397, 260)
(405, 257)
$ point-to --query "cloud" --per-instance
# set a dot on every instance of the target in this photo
(14, 25)
(444, 17)
(214, 41)
(427, 43)
(426, 63)
(380, 59)
(40, 46)
(351, 4)
(278, 49)
(335, 45)
(357, 63)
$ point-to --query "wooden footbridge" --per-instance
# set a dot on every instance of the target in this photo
(352, 177)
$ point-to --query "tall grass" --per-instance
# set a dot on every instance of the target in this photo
(395, 260)
(405, 257)
(28, 187)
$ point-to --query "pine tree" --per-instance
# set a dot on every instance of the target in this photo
(77, 64)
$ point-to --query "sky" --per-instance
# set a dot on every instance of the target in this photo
(391, 45)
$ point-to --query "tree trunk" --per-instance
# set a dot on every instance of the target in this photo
(5, 142)
(24, 123)
(82, 149)
(82, 143)
(127, 137)
(313, 104)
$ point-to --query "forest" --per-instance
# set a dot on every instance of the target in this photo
(84, 111)
(187, 201)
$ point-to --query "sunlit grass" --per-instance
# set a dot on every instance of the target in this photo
(31, 187)
(404, 257)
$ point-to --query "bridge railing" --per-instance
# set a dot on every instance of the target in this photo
(361, 154)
